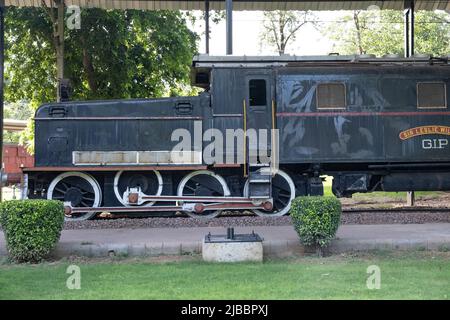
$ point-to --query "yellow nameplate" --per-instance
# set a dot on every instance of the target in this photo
(419, 131)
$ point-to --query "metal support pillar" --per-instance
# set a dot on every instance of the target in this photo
(409, 51)
(229, 13)
(406, 35)
(60, 46)
(2, 68)
(409, 27)
(410, 198)
(207, 26)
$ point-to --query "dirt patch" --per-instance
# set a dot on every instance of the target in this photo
(119, 260)
(371, 201)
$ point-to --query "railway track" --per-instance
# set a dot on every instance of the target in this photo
(363, 210)
(400, 209)
(417, 215)
(237, 214)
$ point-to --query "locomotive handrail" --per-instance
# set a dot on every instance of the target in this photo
(245, 138)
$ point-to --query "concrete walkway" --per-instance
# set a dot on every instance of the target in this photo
(278, 241)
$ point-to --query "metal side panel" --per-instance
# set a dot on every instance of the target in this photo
(111, 158)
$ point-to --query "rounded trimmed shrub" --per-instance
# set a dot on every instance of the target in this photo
(316, 219)
(31, 227)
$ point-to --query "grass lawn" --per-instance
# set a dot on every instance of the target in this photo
(398, 196)
(412, 275)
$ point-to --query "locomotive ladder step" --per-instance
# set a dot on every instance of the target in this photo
(259, 181)
(259, 165)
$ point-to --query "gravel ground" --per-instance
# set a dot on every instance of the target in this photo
(181, 222)
(177, 222)
(395, 217)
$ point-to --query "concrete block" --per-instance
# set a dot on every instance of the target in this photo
(171, 248)
(232, 251)
(118, 249)
(402, 245)
(99, 250)
(154, 249)
(295, 247)
(137, 249)
(190, 248)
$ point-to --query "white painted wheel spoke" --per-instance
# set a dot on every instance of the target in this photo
(184, 185)
(82, 177)
(285, 197)
(119, 196)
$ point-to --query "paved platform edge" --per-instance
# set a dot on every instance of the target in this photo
(271, 249)
(279, 241)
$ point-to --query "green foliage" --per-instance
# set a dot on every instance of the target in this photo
(382, 32)
(115, 54)
(18, 111)
(30, 68)
(316, 219)
(31, 227)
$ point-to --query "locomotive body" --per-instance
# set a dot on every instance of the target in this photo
(371, 123)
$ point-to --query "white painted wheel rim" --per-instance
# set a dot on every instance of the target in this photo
(226, 191)
(92, 182)
(283, 211)
(146, 204)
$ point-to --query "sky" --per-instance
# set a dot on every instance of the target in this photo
(247, 26)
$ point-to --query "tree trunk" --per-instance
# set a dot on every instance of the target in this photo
(89, 69)
(282, 44)
(319, 251)
(358, 31)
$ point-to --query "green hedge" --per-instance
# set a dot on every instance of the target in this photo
(316, 219)
(31, 227)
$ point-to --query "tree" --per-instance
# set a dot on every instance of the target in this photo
(115, 54)
(196, 18)
(19, 111)
(382, 32)
(280, 27)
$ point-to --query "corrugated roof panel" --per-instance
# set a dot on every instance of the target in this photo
(244, 4)
(216, 5)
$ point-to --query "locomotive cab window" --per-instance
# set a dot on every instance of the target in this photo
(431, 95)
(257, 92)
(331, 96)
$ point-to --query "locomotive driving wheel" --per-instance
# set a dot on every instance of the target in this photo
(283, 192)
(203, 183)
(78, 188)
(149, 182)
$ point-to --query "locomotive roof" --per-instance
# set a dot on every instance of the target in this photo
(202, 64)
(207, 61)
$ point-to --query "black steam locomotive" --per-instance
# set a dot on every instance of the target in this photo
(370, 123)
